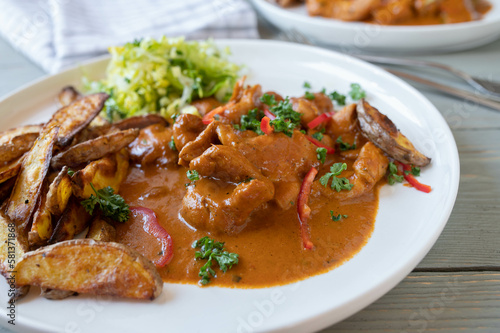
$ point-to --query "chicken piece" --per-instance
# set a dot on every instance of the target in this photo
(224, 202)
(306, 108)
(370, 166)
(323, 103)
(286, 193)
(152, 145)
(297, 155)
(427, 7)
(205, 105)
(457, 11)
(345, 10)
(394, 12)
(344, 121)
(187, 127)
(242, 101)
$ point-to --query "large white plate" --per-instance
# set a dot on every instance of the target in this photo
(360, 37)
(408, 221)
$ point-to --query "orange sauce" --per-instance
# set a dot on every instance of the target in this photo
(270, 249)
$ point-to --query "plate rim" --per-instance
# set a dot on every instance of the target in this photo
(320, 320)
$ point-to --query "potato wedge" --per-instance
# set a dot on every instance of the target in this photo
(6, 189)
(29, 182)
(15, 142)
(110, 170)
(10, 170)
(101, 230)
(380, 130)
(140, 122)
(41, 227)
(91, 267)
(73, 221)
(94, 149)
(12, 245)
(60, 191)
(68, 95)
(72, 118)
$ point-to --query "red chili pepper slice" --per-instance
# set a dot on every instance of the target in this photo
(265, 125)
(413, 181)
(153, 227)
(329, 150)
(209, 117)
(303, 210)
(269, 114)
(319, 120)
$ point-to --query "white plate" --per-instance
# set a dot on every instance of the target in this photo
(408, 221)
(360, 37)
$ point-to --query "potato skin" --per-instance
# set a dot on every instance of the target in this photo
(101, 230)
(90, 267)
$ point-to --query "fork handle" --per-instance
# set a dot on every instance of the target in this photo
(421, 63)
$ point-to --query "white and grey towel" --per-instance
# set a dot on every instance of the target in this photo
(58, 33)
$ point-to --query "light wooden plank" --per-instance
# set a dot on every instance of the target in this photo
(433, 302)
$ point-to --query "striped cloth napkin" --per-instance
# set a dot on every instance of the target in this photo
(56, 34)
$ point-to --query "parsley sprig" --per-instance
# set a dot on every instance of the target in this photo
(393, 176)
(357, 92)
(338, 98)
(268, 99)
(344, 145)
(286, 118)
(321, 154)
(213, 251)
(337, 184)
(111, 205)
(251, 121)
(193, 175)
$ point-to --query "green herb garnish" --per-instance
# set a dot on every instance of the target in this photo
(309, 95)
(286, 118)
(193, 175)
(357, 92)
(111, 205)
(338, 184)
(171, 144)
(393, 176)
(337, 217)
(268, 99)
(321, 154)
(307, 85)
(213, 251)
(344, 145)
(251, 121)
(338, 98)
(318, 136)
(71, 172)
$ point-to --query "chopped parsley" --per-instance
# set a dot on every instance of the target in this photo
(338, 184)
(338, 98)
(213, 251)
(393, 176)
(307, 85)
(309, 95)
(70, 172)
(247, 180)
(251, 121)
(175, 116)
(286, 118)
(321, 154)
(344, 145)
(337, 217)
(111, 205)
(268, 99)
(414, 171)
(193, 175)
(171, 144)
(318, 135)
(357, 92)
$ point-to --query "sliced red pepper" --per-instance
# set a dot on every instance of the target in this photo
(319, 120)
(303, 209)
(269, 114)
(413, 181)
(329, 150)
(153, 227)
(265, 125)
(209, 117)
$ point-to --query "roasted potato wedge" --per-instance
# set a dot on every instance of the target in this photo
(87, 266)
(60, 191)
(29, 182)
(10, 170)
(13, 245)
(56, 294)
(72, 118)
(94, 149)
(110, 170)
(6, 189)
(68, 95)
(15, 142)
(41, 227)
(101, 230)
(73, 221)
(140, 122)
(380, 130)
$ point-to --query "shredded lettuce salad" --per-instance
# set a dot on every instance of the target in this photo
(164, 76)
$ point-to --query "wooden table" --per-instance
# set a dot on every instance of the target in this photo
(456, 287)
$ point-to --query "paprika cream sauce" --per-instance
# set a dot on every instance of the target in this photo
(269, 248)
